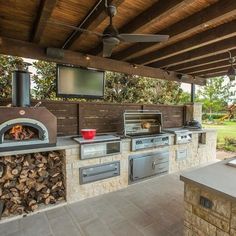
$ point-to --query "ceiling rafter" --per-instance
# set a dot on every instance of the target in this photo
(212, 71)
(157, 11)
(208, 37)
(92, 20)
(218, 74)
(206, 67)
(205, 51)
(203, 61)
(197, 22)
(45, 10)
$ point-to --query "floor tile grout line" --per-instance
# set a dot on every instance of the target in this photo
(75, 221)
(50, 227)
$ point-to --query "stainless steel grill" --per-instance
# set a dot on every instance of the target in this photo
(142, 122)
(182, 135)
(144, 128)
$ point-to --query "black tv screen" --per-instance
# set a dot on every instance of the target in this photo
(79, 82)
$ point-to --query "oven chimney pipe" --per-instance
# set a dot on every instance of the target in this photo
(21, 87)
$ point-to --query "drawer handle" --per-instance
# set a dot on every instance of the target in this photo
(154, 164)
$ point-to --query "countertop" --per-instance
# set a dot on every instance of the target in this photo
(62, 143)
(67, 142)
(217, 177)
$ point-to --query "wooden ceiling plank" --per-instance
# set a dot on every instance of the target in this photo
(45, 10)
(157, 11)
(205, 51)
(212, 71)
(219, 74)
(217, 12)
(90, 22)
(205, 38)
(201, 62)
(206, 67)
(31, 50)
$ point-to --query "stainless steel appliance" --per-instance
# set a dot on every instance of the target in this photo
(182, 135)
(100, 146)
(148, 164)
(144, 128)
(94, 173)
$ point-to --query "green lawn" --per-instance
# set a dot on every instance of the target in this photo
(228, 129)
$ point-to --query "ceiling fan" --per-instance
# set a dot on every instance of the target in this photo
(111, 37)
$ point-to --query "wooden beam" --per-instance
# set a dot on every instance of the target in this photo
(185, 28)
(25, 49)
(45, 10)
(157, 11)
(203, 61)
(205, 51)
(212, 71)
(198, 69)
(204, 38)
(219, 74)
(90, 22)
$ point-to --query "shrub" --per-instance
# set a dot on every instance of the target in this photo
(230, 141)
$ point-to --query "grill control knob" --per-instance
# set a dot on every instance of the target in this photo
(139, 142)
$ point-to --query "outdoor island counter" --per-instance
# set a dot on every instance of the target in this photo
(210, 200)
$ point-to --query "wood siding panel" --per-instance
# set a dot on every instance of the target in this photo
(105, 117)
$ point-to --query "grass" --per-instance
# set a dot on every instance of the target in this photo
(227, 129)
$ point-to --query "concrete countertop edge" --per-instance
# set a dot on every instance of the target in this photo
(206, 187)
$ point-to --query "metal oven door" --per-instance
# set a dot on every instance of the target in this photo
(148, 164)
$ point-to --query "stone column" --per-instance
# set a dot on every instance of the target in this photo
(193, 112)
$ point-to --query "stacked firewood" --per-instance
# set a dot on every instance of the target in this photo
(28, 180)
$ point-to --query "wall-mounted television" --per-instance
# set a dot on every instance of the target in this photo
(79, 82)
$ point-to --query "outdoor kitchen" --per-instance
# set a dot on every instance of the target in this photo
(37, 168)
(113, 117)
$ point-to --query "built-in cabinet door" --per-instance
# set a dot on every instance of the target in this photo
(146, 166)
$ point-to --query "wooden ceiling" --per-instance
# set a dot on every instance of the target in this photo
(201, 31)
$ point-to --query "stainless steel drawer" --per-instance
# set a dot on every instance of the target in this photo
(98, 172)
(102, 149)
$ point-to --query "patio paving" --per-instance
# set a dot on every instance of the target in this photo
(150, 208)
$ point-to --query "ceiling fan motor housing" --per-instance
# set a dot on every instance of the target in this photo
(110, 31)
(111, 10)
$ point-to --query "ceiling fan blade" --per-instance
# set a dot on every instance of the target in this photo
(108, 44)
(75, 28)
(136, 38)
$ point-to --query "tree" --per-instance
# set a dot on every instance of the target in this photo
(136, 89)
(44, 81)
(119, 87)
(215, 95)
(7, 65)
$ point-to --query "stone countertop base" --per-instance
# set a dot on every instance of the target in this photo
(219, 220)
(217, 177)
(214, 184)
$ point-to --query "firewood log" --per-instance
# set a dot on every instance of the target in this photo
(30, 180)
(2, 169)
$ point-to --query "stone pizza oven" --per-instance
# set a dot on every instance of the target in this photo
(23, 126)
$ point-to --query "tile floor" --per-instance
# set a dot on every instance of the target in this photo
(150, 208)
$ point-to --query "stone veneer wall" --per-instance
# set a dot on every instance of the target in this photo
(76, 192)
(196, 153)
(218, 221)
(193, 112)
